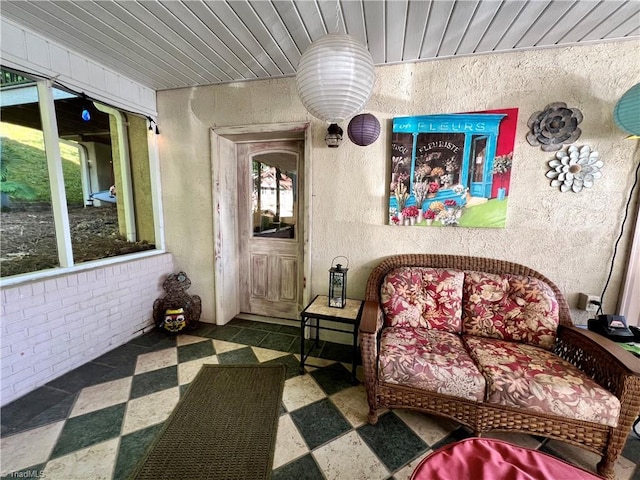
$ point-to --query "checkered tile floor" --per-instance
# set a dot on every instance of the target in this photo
(96, 421)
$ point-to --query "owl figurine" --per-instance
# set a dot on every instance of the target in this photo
(177, 310)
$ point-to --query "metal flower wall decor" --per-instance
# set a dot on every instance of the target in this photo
(575, 169)
(554, 126)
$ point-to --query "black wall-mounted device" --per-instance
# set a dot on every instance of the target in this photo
(614, 327)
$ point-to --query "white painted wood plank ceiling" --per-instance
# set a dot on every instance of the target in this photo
(166, 44)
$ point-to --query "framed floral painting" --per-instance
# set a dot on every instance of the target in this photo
(452, 169)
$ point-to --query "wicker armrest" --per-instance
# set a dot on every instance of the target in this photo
(371, 321)
(600, 358)
(370, 325)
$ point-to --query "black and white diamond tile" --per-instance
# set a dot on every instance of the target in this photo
(319, 422)
(304, 468)
(392, 441)
(89, 429)
(97, 421)
(132, 447)
(358, 462)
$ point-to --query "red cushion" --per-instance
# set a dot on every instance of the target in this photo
(489, 459)
(423, 297)
(531, 378)
(510, 307)
(429, 360)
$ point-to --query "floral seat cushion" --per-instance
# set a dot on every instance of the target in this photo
(524, 376)
(430, 360)
(510, 307)
(423, 297)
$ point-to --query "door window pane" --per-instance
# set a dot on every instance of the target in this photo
(274, 205)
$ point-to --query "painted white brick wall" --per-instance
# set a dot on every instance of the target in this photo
(52, 326)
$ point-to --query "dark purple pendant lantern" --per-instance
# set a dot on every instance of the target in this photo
(363, 129)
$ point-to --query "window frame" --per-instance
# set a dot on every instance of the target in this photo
(58, 196)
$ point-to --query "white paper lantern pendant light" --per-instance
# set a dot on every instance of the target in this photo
(335, 77)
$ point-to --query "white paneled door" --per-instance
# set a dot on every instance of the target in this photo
(270, 183)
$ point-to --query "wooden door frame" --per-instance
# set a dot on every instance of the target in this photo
(225, 200)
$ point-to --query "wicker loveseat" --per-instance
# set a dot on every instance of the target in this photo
(491, 345)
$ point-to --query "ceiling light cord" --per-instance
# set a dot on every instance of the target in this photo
(624, 219)
(57, 84)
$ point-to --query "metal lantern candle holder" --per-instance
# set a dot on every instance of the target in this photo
(338, 284)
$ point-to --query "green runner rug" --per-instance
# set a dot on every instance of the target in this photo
(223, 428)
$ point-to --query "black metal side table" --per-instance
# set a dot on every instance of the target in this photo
(320, 310)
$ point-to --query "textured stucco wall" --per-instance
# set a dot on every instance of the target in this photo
(568, 237)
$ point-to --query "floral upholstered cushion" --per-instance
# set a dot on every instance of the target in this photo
(509, 307)
(423, 297)
(431, 360)
(525, 376)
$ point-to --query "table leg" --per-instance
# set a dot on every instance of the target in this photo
(354, 355)
(302, 324)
